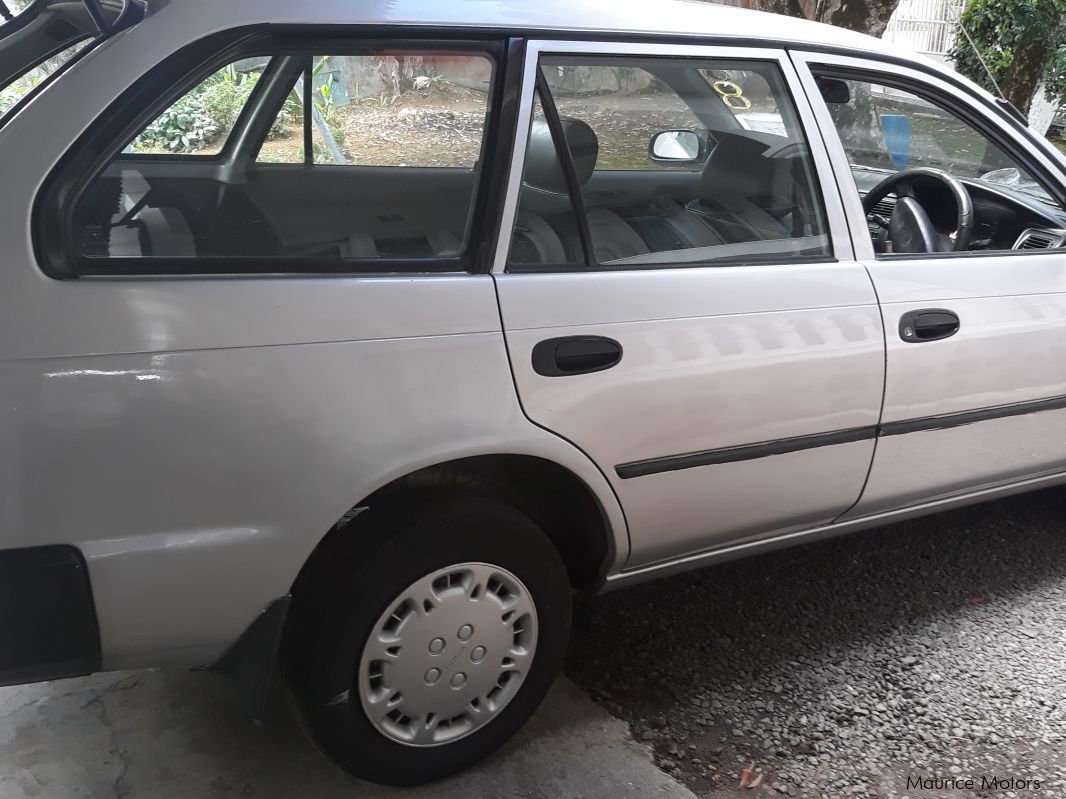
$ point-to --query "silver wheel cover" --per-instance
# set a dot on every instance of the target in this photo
(448, 654)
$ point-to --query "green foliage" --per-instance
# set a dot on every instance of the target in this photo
(184, 127)
(203, 115)
(17, 90)
(1021, 42)
(24, 84)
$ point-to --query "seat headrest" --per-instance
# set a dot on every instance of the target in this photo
(543, 169)
(737, 166)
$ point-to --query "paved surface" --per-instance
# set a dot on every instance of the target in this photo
(178, 735)
(934, 651)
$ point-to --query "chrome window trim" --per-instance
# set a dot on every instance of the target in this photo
(839, 230)
(806, 61)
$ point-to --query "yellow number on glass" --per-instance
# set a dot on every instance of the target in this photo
(732, 95)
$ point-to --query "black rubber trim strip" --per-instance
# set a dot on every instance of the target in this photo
(948, 420)
(746, 452)
(566, 160)
(783, 446)
(309, 113)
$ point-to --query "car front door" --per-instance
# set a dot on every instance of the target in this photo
(976, 379)
(698, 326)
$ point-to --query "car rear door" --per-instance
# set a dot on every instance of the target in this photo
(720, 357)
(983, 404)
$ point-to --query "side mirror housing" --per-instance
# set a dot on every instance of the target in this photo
(677, 147)
(834, 91)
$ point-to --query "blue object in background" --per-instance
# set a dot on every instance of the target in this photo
(897, 130)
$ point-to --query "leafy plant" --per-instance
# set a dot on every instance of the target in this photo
(183, 127)
(204, 114)
(17, 90)
(1021, 42)
(24, 84)
(223, 100)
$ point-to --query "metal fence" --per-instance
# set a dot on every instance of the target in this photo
(928, 26)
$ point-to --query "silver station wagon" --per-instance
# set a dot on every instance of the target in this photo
(344, 341)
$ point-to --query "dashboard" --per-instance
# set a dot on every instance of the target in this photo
(1004, 218)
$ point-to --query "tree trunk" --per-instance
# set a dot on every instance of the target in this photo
(864, 16)
(790, 8)
(1042, 109)
(1030, 58)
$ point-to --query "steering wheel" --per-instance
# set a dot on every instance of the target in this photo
(909, 228)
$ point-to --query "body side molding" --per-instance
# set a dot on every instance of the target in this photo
(766, 449)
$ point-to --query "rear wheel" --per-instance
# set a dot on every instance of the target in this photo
(434, 645)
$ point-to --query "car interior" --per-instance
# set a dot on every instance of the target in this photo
(750, 200)
(230, 205)
(930, 182)
(755, 198)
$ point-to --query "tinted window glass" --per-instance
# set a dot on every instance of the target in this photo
(716, 182)
(624, 105)
(200, 122)
(406, 129)
(546, 229)
(749, 97)
(388, 110)
(26, 83)
(885, 129)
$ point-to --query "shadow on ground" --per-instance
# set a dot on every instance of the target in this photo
(663, 654)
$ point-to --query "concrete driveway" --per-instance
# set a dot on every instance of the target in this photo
(179, 735)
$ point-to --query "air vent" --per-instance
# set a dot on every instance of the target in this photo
(1038, 239)
(886, 206)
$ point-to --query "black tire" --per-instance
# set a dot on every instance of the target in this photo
(328, 628)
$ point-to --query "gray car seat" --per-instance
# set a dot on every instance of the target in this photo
(739, 184)
(545, 228)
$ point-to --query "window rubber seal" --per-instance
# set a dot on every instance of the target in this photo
(53, 207)
(566, 159)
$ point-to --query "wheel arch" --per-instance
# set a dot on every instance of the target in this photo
(563, 504)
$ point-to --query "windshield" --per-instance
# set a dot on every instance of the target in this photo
(886, 129)
(747, 94)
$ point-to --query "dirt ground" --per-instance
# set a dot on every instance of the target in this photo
(439, 126)
(442, 126)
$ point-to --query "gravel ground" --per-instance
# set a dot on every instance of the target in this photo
(930, 650)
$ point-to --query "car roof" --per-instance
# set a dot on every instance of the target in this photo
(678, 20)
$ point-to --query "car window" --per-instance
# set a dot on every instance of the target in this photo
(199, 123)
(749, 97)
(28, 81)
(547, 229)
(640, 104)
(388, 111)
(745, 192)
(43, 38)
(408, 128)
(885, 129)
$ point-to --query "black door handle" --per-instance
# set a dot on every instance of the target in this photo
(575, 355)
(932, 324)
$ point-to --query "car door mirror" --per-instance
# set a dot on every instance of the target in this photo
(676, 146)
(836, 92)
